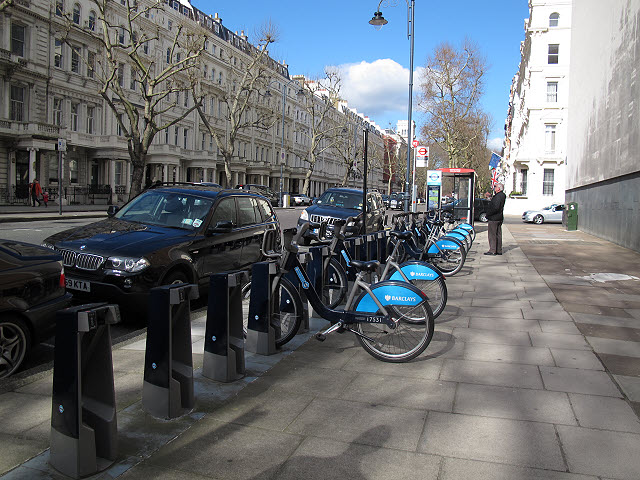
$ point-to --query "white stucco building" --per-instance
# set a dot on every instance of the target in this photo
(534, 162)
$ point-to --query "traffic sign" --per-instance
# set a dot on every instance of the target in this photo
(422, 151)
(415, 143)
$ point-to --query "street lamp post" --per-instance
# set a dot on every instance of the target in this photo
(378, 21)
(282, 155)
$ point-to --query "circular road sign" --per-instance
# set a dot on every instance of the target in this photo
(422, 152)
(415, 143)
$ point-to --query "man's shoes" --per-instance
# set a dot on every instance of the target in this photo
(498, 253)
(489, 253)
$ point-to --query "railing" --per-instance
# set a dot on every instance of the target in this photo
(72, 195)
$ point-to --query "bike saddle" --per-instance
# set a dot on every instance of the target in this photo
(400, 235)
(370, 266)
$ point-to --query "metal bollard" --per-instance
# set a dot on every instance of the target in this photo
(304, 258)
(382, 246)
(83, 414)
(261, 332)
(224, 339)
(361, 249)
(167, 391)
(372, 246)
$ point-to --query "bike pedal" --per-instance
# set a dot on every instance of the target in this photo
(321, 337)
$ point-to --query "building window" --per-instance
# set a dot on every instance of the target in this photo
(90, 115)
(145, 47)
(58, 59)
(57, 111)
(17, 103)
(121, 74)
(547, 181)
(132, 80)
(553, 19)
(550, 138)
(168, 55)
(185, 139)
(17, 40)
(92, 21)
(166, 136)
(552, 92)
(76, 14)
(121, 35)
(186, 99)
(523, 181)
(204, 139)
(169, 24)
(75, 109)
(118, 174)
(73, 171)
(75, 59)
(119, 129)
(91, 64)
(59, 8)
(554, 52)
(175, 136)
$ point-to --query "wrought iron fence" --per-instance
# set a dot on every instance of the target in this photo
(73, 195)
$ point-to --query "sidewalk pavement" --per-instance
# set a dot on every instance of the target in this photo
(533, 372)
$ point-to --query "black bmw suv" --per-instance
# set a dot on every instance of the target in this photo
(341, 203)
(165, 235)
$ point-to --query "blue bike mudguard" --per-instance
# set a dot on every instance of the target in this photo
(466, 226)
(414, 270)
(458, 235)
(444, 245)
(390, 292)
(461, 231)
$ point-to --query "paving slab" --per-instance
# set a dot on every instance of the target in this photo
(322, 459)
(583, 359)
(224, 449)
(605, 413)
(509, 354)
(16, 450)
(630, 386)
(377, 425)
(551, 315)
(599, 452)
(559, 340)
(457, 469)
(578, 381)
(497, 440)
(514, 403)
(496, 337)
(615, 347)
(511, 324)
(559, 327)
(491, 373)
(630, 322)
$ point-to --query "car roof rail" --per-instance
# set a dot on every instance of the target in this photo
(158, 184)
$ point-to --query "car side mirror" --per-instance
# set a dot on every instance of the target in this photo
(111, 211)
(222, 227)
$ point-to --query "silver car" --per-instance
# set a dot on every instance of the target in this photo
(550, 214)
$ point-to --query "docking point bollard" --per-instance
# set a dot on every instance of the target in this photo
(224, 339)
(167, 391)
(382, 246)
(292, 276)
(261, 333)
(83, 415)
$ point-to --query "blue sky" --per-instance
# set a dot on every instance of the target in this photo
(375, 64)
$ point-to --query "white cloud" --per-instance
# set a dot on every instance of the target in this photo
(379, 89)
(495, 144)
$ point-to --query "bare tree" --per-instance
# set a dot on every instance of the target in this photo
(245, 107)
(4, 4)
(392, 161)
(323, 128)
(151, 104)
(451, 88)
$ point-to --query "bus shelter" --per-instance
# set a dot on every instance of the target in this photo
(452, 189)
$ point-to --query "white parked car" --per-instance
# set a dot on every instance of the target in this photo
(301, 199)
(550, 214)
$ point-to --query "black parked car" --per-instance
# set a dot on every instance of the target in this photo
(263, 190)
(480, 207)
(163, 236)
(341, 203)
(31, 292)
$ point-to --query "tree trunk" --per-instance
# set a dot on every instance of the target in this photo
(389, 185)
(137, 175)
(227, 170)
(345, 179)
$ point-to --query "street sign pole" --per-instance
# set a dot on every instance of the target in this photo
(62, 147)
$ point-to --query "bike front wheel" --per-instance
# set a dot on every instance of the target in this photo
(410, 337)
(287, 315)
(449, 262)
(335, 285)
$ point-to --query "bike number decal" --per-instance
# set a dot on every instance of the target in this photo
(304, 283)
(389, 295)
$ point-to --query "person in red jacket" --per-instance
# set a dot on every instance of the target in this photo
(35, 190)
(495, 217)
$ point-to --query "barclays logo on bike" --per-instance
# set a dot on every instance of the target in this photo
(394, 298)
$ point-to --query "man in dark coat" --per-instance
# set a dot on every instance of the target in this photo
(495, 217)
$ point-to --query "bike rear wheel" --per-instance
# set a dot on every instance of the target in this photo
(436, 292)
(335, 285)
(449, 262)
(288, 315)
(405, 342)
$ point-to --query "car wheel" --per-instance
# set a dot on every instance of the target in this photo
(15, 341)
(538, 219)
(483, 217)
(175, 277)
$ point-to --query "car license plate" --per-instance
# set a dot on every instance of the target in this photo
(74, 284)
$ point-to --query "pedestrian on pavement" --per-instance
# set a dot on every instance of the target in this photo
(45, 198)
(496, 217)
(35, 190)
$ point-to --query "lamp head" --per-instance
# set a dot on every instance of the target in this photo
(378, 20)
